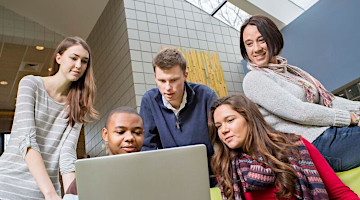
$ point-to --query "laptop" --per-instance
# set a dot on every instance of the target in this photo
(165, 174)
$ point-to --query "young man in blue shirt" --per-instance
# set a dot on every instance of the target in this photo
(175, 113)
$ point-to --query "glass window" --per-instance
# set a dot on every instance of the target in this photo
(229, 13)
(341, 93)
(352, 92)
(205, 5)
(232, 15)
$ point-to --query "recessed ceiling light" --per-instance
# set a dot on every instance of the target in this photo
(49, 69)
(3, 83)
(40, 48)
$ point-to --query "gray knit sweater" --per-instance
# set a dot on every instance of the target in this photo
(284, 106)
(40, 123)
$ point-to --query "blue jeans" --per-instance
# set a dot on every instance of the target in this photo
(340, 146)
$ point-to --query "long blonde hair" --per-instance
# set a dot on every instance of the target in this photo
(81, 96)
(274, 147)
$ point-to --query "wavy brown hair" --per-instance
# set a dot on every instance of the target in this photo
(275, 147)
(81, 96)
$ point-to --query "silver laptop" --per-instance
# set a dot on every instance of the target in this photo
(166, 174)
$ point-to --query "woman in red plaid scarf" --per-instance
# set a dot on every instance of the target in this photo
(254, 161)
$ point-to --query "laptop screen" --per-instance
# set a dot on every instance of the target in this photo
(174, 173)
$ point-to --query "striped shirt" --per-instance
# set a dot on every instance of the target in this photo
(40, 123)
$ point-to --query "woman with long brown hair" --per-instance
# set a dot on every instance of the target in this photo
(254, 161)
(48, 118)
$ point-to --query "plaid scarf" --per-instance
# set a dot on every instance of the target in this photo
(251, 175)
(301, 78)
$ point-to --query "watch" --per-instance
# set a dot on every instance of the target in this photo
(357, 119)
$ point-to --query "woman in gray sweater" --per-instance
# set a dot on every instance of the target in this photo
(48, 118)
(291, 100)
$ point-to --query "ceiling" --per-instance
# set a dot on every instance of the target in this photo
(282, 12)
(66, 17)
(17, 61)
(25, 24)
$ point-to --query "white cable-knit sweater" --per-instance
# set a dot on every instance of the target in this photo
(284, 106)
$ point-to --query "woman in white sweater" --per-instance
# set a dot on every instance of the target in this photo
(291, 100)
(48, 118)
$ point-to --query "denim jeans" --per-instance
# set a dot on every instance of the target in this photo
(340, 146)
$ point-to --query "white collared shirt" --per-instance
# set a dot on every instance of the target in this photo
(182, 105)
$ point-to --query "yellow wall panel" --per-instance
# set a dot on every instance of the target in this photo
(205, 68)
